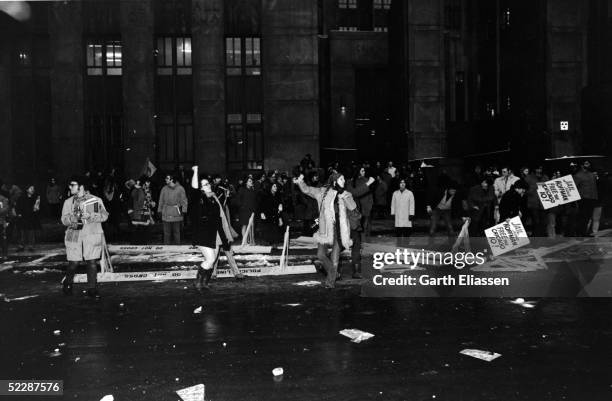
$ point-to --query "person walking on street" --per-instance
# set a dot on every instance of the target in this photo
(334, 225)
(402, 207)
(210, 228)
(83, 215)
(356, 190)
(173, 206)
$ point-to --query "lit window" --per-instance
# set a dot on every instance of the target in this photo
(233, 56)
(347, 4)
(243, 56)
(382, 4)
(381, 29)
(104, 57)
(171, 53)
(348, 28)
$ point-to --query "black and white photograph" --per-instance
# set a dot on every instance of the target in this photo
(275, 200)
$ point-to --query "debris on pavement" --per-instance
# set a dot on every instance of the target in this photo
(309, 283)
(480, 354)
(523, 303)
(193, 393)
(20, 298)
(198, 310)
(57, 332)
(293, 305)
(356, 335)
(277, 371)
(107, 398)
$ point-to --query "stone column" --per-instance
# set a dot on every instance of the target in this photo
(291, 81)
(6, 127)
(67, 49)
(138, 84)
(565, 72)
(209, 84)
(425, 63)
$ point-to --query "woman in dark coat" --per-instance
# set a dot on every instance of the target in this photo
(246, 201)
(112, 202)
(210, 227)
(270, 212)
(28, 211)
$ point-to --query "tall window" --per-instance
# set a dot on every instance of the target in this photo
(346, 4)
(245, 141)
(174, 104)
(173, 55)
(382, 4)
(104, 100)
(244, 103)
(243, 56)
(103, 57)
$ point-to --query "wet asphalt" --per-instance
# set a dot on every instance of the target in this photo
(143, 341)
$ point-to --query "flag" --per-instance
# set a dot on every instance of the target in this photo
(149, 168)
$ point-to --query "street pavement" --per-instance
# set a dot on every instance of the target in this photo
(143, 341)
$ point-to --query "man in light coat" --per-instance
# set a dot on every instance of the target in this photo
(402, 207)
(501, 185)
(334, 231)
(172, 205)
(83, 215)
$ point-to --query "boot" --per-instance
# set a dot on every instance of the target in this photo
(202, 279)
(357, 271)
(67, 286)
(339, 273)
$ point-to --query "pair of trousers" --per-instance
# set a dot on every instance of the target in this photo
(585, 213)
(444, 215)
(356, 249)
(330, 264)
(172, 232)
(92, 272)
(403, 231)
(3, 240)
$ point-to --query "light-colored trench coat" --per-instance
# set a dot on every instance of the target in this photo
(84, 244)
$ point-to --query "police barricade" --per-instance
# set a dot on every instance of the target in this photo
(108, 273)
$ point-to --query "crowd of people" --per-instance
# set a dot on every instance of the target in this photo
(272, 200)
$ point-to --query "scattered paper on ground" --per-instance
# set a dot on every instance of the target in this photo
(198, 310)
(308, 283)
(523, 303)
(294, 305)
(193, 393)
(277, 371)
(355, 335)
(480, 354)
(108, 398)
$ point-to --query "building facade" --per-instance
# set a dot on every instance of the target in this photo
(243, 85)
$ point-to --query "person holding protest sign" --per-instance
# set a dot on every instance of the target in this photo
(83, 215)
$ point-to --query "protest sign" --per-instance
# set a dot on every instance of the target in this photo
(507, 236)
(558, 192)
